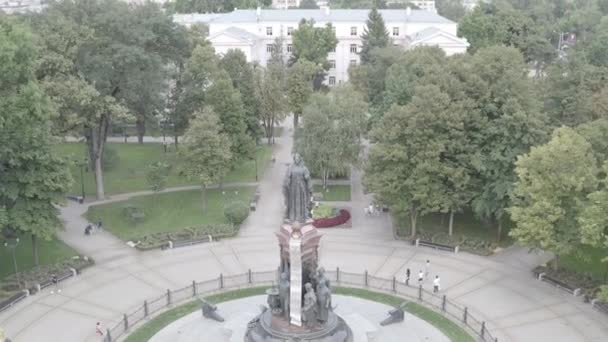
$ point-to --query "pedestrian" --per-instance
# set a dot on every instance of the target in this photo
(99, 225)
(55, 283)
(98, 329)
(427, 268)
(87, 229)
(420, 277)
(436, 284)
(407, 277)
(165, 145)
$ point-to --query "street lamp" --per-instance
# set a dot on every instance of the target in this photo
(82, 165)
(255, 160)
(12, 244)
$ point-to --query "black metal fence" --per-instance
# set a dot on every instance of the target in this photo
(439, 303)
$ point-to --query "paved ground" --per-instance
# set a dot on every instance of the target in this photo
(499, 289)
(362, 316)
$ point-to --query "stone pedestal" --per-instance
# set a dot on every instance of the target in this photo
(295, 281)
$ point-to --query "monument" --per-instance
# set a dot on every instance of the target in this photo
(300, 306)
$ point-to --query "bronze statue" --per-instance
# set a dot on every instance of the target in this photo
(309, 308)
(321, 278)
(323, 301)
(297, 189)
(284, 293)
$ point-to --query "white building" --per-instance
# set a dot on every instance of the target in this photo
(284, 4)
(427, 5)
(255, 31)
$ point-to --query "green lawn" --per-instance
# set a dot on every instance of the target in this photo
(465, 224)
(145, 332)
(334, 192)
(49, 252)
(588, 261)
(130, 172)
(167, 212)
(450, 329)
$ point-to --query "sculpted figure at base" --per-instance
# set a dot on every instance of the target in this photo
(310, 306)
(323, 301)
(284, 294)
(297, 189)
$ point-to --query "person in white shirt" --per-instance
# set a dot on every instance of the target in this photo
(436, 284)
(427, 268)
(420, 277)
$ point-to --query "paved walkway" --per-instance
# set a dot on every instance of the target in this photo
(498, 289)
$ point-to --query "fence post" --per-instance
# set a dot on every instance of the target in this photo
(221, 281)
(168, 297)
(337, 274)
(483, 329)
(193, 288)
(366, 280)
(249, 277)
(465, 315)
(146, 308)
(108, 335)
(125, 321)
(443, 304)
(394, 284)
(420, 292)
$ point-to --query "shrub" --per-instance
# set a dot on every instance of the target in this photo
(133, 212)
(602, 295)
(236, 212)
(110, 158)
(342, 218)
(323, 211)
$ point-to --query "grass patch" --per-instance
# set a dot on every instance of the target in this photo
(145, 332)
(450, 329)
(334, 192)
(49, 252)
(587, 261)
(129, 174)
(167, 212)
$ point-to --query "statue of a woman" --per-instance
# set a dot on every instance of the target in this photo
(297, 189)
(309, 308)
(323, 301)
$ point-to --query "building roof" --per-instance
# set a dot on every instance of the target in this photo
(237, 33)
(429, 33)
(318, 15)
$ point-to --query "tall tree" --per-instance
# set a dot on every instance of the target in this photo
(375, 35)
(553, 182)
(331, 139)
(593, 220)
(206, 151)
(451, 9)
(300, 78)
(269, 87)
(33, 177)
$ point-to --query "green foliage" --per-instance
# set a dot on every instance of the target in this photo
(593, 219)
(236, 212)
(323, 211)
(308, 4)
(553, 181)
(313, 43)
(451, 9)
(375, 35)
(157, 175)
(34, 179)
(300, 78)
(110, 159)
(269, 89)
(603, 294)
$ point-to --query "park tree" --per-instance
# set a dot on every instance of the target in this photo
(596, 133)
(451, 9)
(269, 89)
(331, 139)
(375, 35)
(308, 4)
(300, 78)
(206, 151)
(593, 220)
(241, 74)
(157, 176)
(553, 183)
(33, 178)
(313, 44)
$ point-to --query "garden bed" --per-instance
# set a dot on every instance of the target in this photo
(342, 218)
(186, 236)
(569, 281)
(468, 244)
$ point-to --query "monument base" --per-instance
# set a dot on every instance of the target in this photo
(274, 328)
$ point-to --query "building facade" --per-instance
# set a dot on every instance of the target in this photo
(427, 5)
(255, 31)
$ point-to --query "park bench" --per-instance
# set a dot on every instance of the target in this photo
(559, 284)
(12, 300)
(438, 246)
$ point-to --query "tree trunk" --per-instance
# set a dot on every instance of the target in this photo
(555, 262)
(413, 218)
(99, 179)
(141, 128)
(35, 250)
(499, 233)
(96, 139)
(451, 224)
(296, 120)
(204, 197)
(175, 140)
(324, 172)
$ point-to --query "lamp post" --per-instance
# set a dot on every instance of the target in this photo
(12, 244)
(255, 160)
(82, 165)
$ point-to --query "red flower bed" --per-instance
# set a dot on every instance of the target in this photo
(342, 218)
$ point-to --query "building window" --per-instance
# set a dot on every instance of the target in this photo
(332, 64)
(269, 31)
(353, 31)
(289, 47)
(332, 80)
(353, 48)
(395, 31)
(353, 62)
(289, 31)
(269, 48)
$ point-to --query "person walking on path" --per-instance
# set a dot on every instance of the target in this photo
(55, 282)
(436, 285)
(407, 277)
(98, 329)
(99, 225)
(427, 268)
(420, 277)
